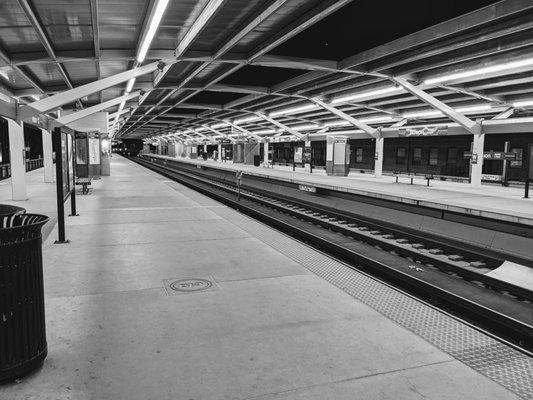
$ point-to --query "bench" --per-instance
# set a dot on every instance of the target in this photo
(426, 177)
(84, 183)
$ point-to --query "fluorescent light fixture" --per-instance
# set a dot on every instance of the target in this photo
(473, 109)
(523, 103)
(201, 129)
(480, 71)
(335, 123)
(4, 75)
(434, 113)
(305, 127)
(264, 131)
(419, 114)
(219, 125)
(371, 120)
(130, 85)
(152, 29)
(246, 119)
(357, 96)
(294, 110)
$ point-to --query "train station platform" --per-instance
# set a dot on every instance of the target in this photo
(491, 201)
(163, 293)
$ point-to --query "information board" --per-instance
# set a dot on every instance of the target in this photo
(298, 154)
(307, 155)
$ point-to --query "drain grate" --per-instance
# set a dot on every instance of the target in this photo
(189, 285)
(486, 355)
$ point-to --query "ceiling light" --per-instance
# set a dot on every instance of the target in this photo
(4, 75)
(480, 71)
(154, 24)
(293, 110)
(357, 96)
(433, 113)
(130, 85)
(473, 109)
(219, 125)
(246, 119)
(305, 127)
(264, 131)
(335, 123)
(371, 120)
(523, 103)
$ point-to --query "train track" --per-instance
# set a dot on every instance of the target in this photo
(449, 275)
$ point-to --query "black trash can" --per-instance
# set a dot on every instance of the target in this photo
(257, 161)
(7, 210)
(22, 325)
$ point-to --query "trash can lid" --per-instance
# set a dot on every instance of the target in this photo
(7, 210)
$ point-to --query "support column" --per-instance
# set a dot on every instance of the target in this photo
(476, 162)
(378, 157)
(17, 160)
(219, 152)
(48, 156)
(266, 147)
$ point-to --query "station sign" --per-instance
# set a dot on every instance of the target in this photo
(298, 154)
(492, 178)
(225, 141)
(493, 155)
(307, 155)
(498, 155)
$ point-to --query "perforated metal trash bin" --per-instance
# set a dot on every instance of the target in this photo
(22, 324)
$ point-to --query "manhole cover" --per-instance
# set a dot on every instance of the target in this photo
(189, 285)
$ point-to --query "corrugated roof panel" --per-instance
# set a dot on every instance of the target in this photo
(109, 68)
(81, 71)
(178, 18)
(63, 12)
(48, 74)
(225, 23)
(15, 39)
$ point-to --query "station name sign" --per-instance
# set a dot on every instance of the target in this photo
(493, 155)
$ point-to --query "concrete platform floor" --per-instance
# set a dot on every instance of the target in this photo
(491, 201)
(271, 330)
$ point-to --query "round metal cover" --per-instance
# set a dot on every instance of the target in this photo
(191, 285)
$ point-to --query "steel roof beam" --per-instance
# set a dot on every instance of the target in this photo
(478, 18)
(67, 119)
(325, 8)
(4, 56)
(341, 114)
(245, 131)
(96, 40)
(462, 120)
(53, 102)
(43, 38)
(286, 128)
(505, 114)
(208, 12)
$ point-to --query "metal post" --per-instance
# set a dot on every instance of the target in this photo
(526, 189)
(505, 163)
(56, 144)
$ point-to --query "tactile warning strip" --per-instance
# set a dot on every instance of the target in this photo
(499, 362)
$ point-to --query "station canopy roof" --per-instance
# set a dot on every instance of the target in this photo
(255, 68)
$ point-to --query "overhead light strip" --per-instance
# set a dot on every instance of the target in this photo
(152, 29)
(480, 71)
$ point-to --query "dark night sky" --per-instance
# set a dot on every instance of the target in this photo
(364, 24)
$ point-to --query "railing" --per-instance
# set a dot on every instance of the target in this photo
(34, 164)
(5, 169)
